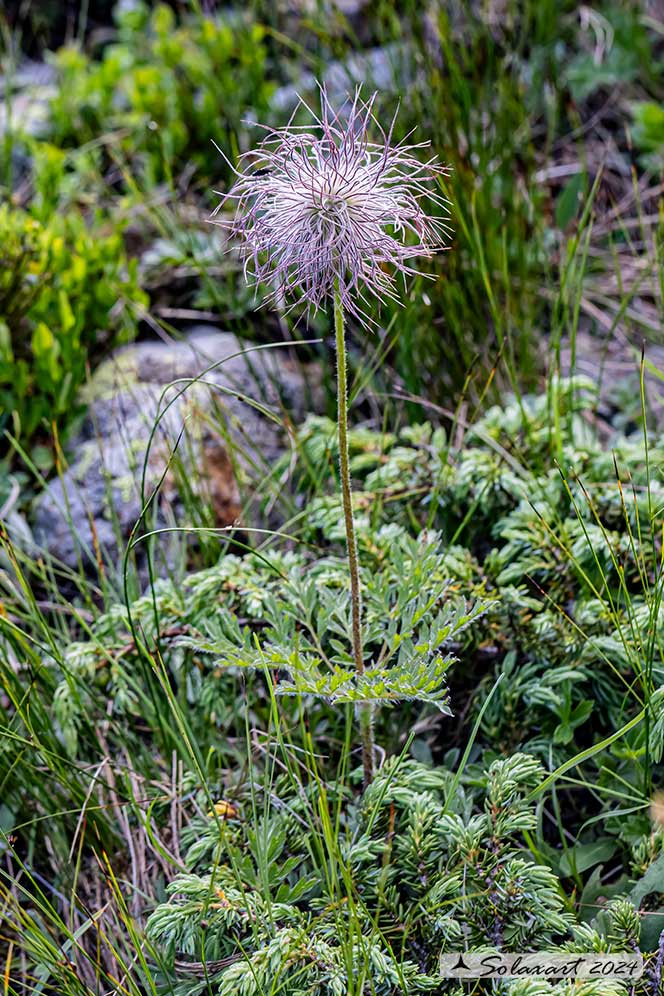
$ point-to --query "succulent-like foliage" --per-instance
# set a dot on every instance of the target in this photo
(558, 548)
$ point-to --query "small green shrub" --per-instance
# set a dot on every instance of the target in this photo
(422, 866)
(65, 179)
(67, 291)
(163, 91)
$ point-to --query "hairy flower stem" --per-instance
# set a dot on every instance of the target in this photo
(364, 711)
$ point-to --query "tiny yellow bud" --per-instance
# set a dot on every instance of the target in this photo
(223, 809)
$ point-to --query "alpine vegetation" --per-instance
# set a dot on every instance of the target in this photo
(332, 215)
(331, 665)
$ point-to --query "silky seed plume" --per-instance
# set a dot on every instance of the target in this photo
(330, 210)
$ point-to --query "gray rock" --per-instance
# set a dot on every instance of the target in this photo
(613, 363)
(220, 428)
(296, 16)
(388, 69)
(31, 87)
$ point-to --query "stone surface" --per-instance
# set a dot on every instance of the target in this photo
(224, 442)
(387, 69)
(613, 363)
(32, 86)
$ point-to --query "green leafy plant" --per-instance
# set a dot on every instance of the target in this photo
(648, 130)
(405, 629)
(163, 91)
(547, 565)
(67, 291)
(422, 866)
(411, 621)
(621, 51)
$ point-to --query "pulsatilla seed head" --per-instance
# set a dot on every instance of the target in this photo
(330, 210)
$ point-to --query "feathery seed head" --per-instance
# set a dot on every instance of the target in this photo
(328, 210)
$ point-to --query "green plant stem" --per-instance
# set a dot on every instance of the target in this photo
(364, 710)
